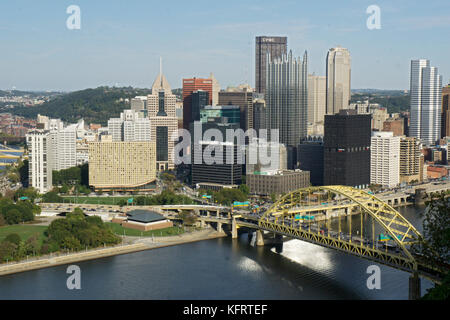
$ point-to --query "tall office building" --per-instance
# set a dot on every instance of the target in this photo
(287, 97)
(426, 89)
(277, 47)
(385, 159)
(347, 149)
(259, 114)
(215, 90)
(445, 116)
(316, 98)
(216, 175)
(40, 159)
(163, 122)
(338, 80)
(310, 158)
(64, 143)
(242, 98)
(200, 99)
(122, 166)
(189, 86)
(411, 160)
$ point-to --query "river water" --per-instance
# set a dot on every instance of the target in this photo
(219, 269)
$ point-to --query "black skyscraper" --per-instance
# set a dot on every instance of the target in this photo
(277, 46)
(200, 99)
(347, 149)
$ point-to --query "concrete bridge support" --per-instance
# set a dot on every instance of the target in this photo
(234, 229)
(414, 287)
(219, 227)
(259, 238)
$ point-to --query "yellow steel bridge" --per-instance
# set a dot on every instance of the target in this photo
(323, 216)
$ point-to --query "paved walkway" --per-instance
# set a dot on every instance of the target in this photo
(131, 244)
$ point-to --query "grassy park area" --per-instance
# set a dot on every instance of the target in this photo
(24, 231)
(119, 230)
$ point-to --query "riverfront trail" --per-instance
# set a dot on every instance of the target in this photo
(137, 244)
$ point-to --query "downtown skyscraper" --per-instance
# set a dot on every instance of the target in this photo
(276, 46)
(338, 80)
(426, 98)
(287, 97)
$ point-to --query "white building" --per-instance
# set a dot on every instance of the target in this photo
(65, 147)
(385, 159)
(129, 127)
(40, 158)
(426, 99)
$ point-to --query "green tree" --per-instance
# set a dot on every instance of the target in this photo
(7, 250)
(434, 246)
(52, 197)
(13, 216)
(244, 189)
(13, 238)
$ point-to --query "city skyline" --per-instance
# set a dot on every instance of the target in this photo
(113, 48)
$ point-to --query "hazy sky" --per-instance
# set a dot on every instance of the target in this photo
(120, 42)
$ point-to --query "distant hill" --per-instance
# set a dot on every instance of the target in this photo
(31, 94)
(394, 100)
(93, 105)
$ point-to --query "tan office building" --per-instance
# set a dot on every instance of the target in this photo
(122, 165)
(410, 160)
(338, 80)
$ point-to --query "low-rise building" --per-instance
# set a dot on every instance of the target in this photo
(278, 182)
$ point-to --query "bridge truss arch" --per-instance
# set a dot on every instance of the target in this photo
(330, 203)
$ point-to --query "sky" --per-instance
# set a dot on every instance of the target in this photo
(120, 42)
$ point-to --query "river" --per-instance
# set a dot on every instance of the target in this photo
(219, 269)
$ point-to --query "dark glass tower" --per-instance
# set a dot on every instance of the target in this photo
(276, 46)
(200, 99)
(347, 149)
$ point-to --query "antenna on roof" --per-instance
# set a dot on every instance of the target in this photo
(160, 70)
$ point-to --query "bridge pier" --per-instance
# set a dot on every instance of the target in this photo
(202, 223)
(219, 227)
(259, 238)
(414, 287)
(234, 231)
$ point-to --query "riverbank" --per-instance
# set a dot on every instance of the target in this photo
(137, 244)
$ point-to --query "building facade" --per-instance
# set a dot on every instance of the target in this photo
(287, 97)
(411, 160)
(163, 122)
(40, 158)
(283, 181)
(385, 159)
(347, 149)
(426, 96)
(189, 86)
(120, 165)
(316, 98)
(338, 65)
(243, 99)
(277, 47)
